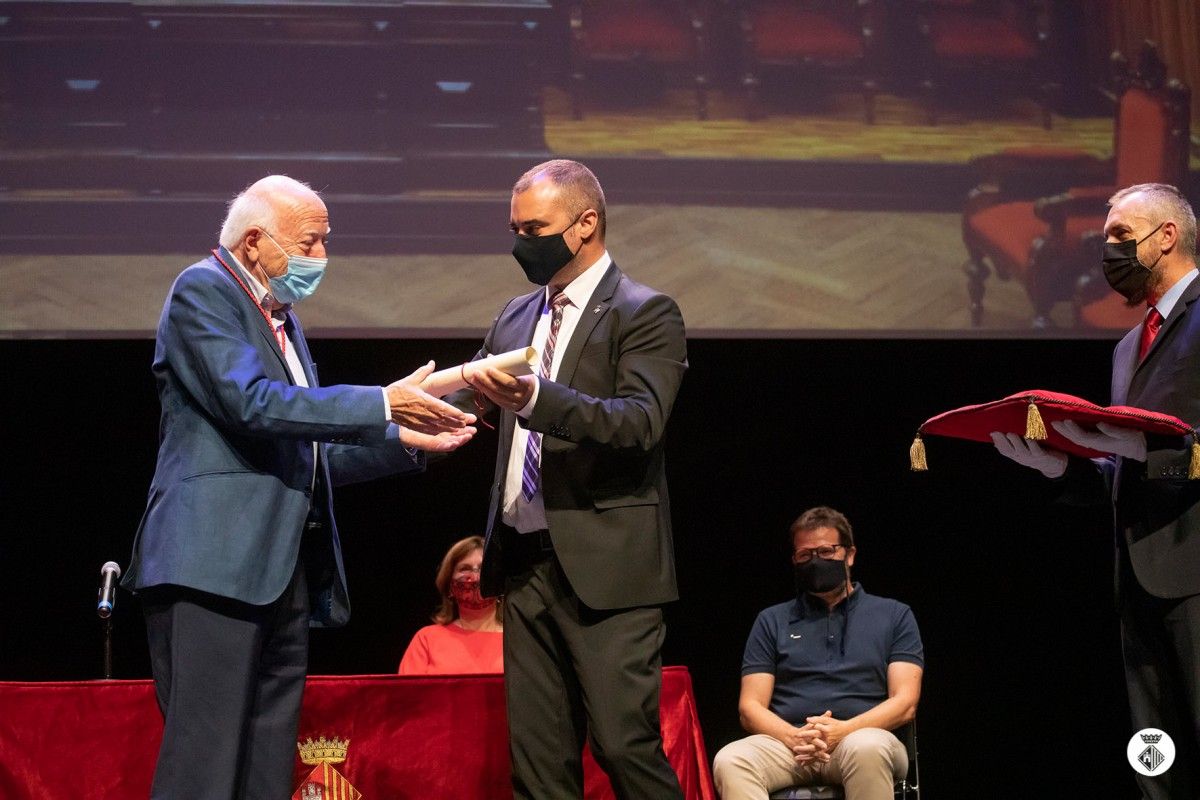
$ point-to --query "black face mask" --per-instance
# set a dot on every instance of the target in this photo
(1125, 273)
(819, 575)
(543, 256)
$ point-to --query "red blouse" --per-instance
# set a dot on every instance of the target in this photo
(452, 650)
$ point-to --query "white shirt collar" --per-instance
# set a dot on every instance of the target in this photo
(1166, 303)
(580, 290)
(261, 293)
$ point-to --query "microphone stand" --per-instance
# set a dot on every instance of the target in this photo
(108, 649)
(106, 604)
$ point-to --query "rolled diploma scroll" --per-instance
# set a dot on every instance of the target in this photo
(514, 362)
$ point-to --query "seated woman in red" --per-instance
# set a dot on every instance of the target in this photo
(467, 638)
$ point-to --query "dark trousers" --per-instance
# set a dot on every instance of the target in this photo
(229, 678)
(1160, 641)
(572, 672)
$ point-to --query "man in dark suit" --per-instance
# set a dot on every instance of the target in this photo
(579, 532)
(238, 549)
(1150, 256)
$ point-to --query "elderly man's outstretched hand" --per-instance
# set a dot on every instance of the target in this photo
(413, 408)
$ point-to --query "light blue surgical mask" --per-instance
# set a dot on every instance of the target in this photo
(301, 279)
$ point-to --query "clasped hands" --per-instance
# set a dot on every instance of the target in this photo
(816, 739)
(1107, 438)
(426, 422)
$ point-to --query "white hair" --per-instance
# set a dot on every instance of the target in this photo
(1163, 202)
(257, 206)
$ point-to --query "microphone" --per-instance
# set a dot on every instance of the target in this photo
(107, 596)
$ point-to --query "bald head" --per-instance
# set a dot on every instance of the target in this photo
(272, 219)
(575, 188)
(263, 204)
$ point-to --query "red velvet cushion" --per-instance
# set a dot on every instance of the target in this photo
(654, 33)
(785, 31)
(1008, 230)
(1009, 415)
(957, 34)
(1141, 139)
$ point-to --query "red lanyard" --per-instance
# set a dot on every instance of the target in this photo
(280, 335)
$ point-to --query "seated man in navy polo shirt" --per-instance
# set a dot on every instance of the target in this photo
(825, 678)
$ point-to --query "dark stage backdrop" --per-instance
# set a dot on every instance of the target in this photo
(1012, 592)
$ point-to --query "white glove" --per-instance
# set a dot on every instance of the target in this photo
(1124, 442)
(1028, 453)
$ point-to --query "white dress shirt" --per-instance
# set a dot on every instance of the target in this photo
(519, 513)
(1167, 302)
(277, 323)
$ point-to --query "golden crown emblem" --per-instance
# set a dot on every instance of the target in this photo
(323, 751)
(1151, 738)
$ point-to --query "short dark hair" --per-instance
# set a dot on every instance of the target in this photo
(824, 517)
(578, 188)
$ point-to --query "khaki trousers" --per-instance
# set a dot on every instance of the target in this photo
(867, 763)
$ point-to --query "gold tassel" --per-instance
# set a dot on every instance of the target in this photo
(1194, 465)
(1034, 427)
(916, 456)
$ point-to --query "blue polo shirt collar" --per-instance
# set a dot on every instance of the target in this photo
(806, 605)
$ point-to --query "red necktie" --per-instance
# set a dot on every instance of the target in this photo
(1150, 328)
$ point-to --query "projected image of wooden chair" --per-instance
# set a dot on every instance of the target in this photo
(653, 37)
(988, 43)
(1050, 243)
(834, 40)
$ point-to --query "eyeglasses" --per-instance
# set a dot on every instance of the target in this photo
(805, 554)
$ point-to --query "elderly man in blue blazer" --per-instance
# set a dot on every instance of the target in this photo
(237, 552)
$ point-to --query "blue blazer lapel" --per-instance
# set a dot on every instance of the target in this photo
(226, 263)
(273, 346)
(296, 333)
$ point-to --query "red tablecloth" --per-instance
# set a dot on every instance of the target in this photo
(419, 738)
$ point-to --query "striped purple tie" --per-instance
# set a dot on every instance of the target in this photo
(531, 470)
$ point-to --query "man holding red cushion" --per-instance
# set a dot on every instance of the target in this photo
(1150, 257)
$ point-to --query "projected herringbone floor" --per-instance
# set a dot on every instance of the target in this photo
(774, 270)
